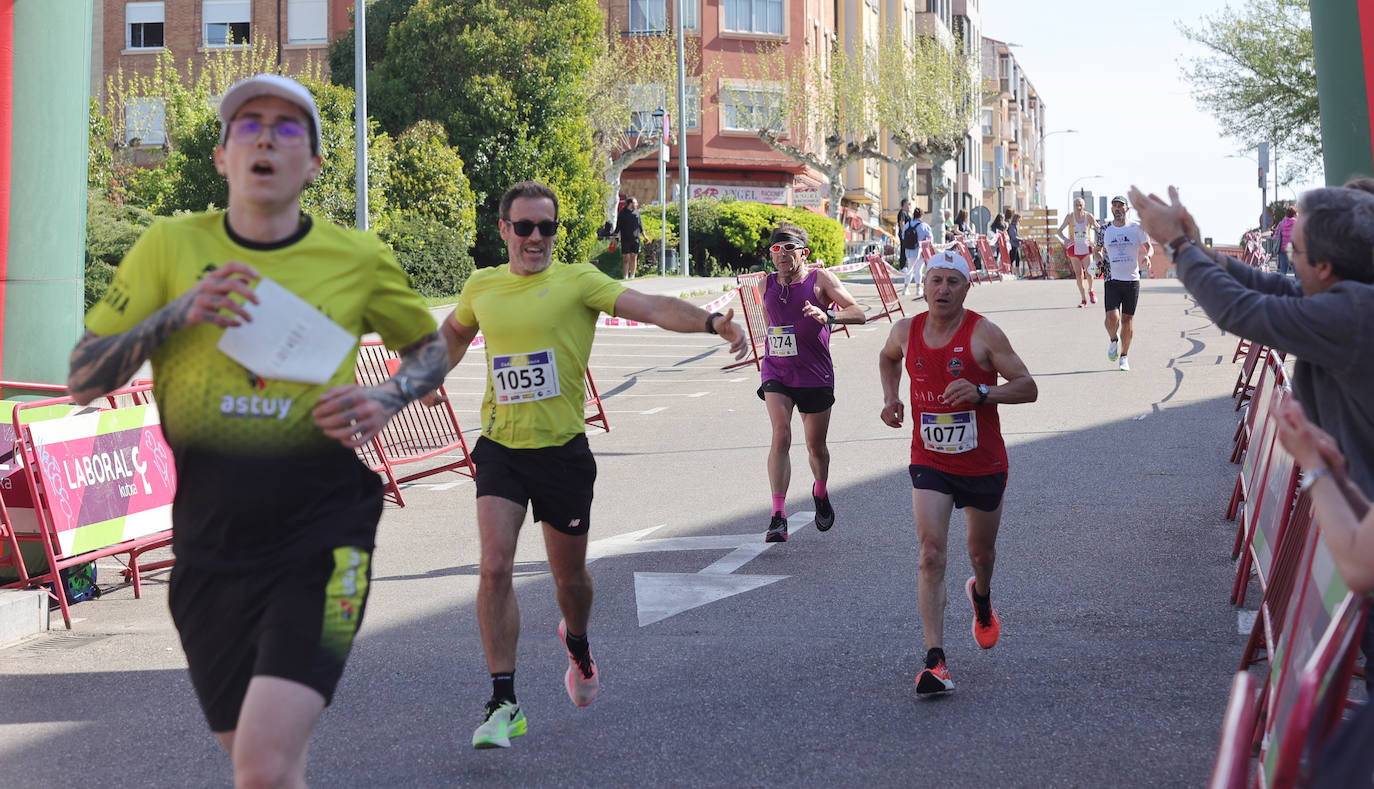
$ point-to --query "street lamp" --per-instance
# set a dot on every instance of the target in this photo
(661, 121)
(1037, 161)
(1075, 183)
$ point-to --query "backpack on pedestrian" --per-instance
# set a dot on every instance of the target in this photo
(910, 238)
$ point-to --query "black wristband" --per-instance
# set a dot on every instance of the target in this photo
(710, 319)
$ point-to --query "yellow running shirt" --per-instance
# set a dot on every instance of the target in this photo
(538, 331)
(207, 400)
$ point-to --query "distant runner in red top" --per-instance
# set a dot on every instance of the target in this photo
(954, 357)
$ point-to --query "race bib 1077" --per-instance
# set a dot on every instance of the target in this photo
(949, 434)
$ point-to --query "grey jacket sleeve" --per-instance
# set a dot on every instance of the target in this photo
(1271, 310)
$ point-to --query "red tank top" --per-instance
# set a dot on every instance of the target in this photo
(965, 440)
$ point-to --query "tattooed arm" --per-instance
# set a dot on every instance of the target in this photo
(102, 363)
(355, 414)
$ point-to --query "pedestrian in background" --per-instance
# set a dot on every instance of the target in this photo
(1284, 234)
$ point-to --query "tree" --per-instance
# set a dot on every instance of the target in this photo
(829, 99)
(629, 78)
(381, 16)
(507, 81)
(427, 178)
(1258, 78)
(926, 102)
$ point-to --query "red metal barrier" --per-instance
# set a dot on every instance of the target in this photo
(1262, 421)
(1232, 767)
(1004, 253)
(67, 540)
(755, 321)
(1243, 388)
(1273, 609)
(886, 291)
(1267, 515)
(598, 417)
(416, 433)
(1030, 252)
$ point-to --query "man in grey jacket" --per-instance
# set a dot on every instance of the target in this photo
(1325, 317)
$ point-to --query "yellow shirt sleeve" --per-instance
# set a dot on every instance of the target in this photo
(599, 291)
(139, 287)
(394, 310)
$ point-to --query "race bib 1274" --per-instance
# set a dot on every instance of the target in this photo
(782, 341)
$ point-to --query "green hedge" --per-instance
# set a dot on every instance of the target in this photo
(732, 235)
(110, 231)
(434, 256)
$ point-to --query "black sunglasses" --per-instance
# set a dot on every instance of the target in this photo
(523, 227)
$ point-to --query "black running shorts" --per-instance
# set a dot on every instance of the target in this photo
(1121, 294)
(294, 621)
(809, 399)
(982, 492)
(557, 481)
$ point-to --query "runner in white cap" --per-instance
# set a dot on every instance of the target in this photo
(954, 358)
(1126, 248)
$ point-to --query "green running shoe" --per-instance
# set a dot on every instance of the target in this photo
(504, 721)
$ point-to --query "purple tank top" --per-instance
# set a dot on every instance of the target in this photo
(798, 346)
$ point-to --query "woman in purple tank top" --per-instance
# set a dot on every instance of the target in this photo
(801, 306)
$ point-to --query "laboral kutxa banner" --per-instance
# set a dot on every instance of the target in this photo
(108, 475)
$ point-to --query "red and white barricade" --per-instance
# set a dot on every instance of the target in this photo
(887, 292)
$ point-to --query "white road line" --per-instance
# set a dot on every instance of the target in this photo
(659, 394)
(1245, 621)
(654, 410)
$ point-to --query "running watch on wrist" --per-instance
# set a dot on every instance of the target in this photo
(983, 393)
(406, 388)
(829, 318)
(710, 321)
(1311, 475)
(1176, 246)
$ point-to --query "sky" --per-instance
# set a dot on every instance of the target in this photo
(1122, 88)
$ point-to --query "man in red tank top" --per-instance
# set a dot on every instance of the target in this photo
(954, 358)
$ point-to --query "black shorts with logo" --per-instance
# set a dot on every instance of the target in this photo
(295, 621)
(557, 481)
(1121, 294)
(982, 492)
(809, 399)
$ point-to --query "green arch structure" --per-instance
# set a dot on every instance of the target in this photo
(1343, 42)
(45, 72)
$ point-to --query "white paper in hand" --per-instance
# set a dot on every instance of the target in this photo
(287, 339)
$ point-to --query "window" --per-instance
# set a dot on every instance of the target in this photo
(691, 14)
(648, 16)
(646, 98)
(145, 120)
(307, 21)
(227, 22)
(754, 16)
(987, 176)
(987, 123)
(751, 108)
(143, 26)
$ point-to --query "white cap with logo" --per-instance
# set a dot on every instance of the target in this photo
(948, 259)
(246, 90)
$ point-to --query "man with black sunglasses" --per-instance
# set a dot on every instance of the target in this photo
(539, 319)
(797, 371)
(274, 517)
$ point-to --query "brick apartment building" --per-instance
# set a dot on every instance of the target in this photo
(132, 34)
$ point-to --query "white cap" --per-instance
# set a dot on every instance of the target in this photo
(948, 259)
(1122, 200)
(245, 90)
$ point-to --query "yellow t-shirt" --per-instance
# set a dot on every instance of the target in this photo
(539, 332)
(209, 401)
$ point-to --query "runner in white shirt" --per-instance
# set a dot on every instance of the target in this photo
(1126, 248)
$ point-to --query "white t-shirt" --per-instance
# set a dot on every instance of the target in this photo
(1123, 250)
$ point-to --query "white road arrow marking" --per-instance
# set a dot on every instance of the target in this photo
(661, 595)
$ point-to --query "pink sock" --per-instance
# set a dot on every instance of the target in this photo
(818, 489)
(780, 504)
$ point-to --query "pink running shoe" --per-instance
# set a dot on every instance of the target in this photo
(582, 679)
(1092, 296)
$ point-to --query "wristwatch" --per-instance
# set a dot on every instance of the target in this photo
(407, 389)
(1176, 246)
(1311, 475)
(983, 393)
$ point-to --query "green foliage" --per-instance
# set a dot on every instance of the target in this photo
(434, 256)
(732, 236)
(332, 195)
(1258, 77)
(100, 159)
(381, 15)
(110, 231)
(506, 80)
(427, 177)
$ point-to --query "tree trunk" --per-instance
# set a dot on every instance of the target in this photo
(939, 192)
(836, 191)
(615, 167)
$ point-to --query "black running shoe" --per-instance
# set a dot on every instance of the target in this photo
(825, 514)
(777, 529)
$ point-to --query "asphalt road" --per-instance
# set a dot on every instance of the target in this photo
(785, 665)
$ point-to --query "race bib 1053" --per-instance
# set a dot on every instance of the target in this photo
(524, 377)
